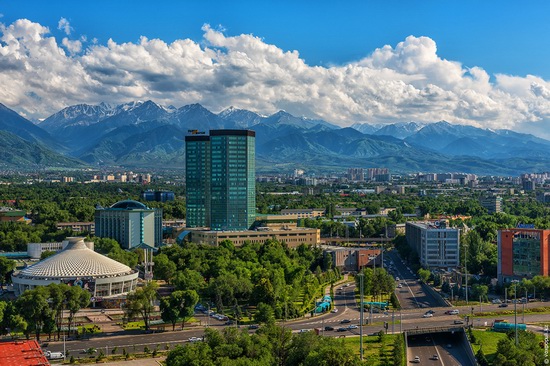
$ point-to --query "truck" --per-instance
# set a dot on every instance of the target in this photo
(54, 355)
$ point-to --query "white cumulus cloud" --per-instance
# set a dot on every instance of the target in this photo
(408, 81)
(65, 26)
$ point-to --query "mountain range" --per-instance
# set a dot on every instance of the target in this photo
(148, 135)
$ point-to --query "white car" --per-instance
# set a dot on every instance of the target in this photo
(195, 339)
(428, 315)
(334, 310)
(416, 359)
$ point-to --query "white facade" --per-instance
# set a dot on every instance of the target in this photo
(78, 265)
(436, 245)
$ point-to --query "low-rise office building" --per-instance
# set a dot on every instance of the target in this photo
(435, 243)
(354, 259)
(522, 253)
(292, 237)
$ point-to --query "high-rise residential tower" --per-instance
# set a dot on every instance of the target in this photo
(220, 180)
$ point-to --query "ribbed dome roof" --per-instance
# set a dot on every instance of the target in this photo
(76, 260)
(129, 204)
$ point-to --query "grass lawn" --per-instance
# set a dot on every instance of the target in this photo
(488, 340)
(371, 348)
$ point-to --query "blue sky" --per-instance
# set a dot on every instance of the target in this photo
(508, 37)
(482, 63)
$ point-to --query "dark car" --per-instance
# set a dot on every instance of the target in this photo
(341, 329)
(345, 321)
(503, 305)
(458, 322)
(253, 326)
(329, 328)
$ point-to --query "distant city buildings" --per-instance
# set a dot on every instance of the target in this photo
(436, 244)
(12, 215)
(158, 196)
(304, 212)
(356, 174)
(77, 227)
(353, 259)
(522, 253)
(130, 223)
(220, 177)
(492, 204)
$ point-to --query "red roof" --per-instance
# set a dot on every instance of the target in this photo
(22, 353)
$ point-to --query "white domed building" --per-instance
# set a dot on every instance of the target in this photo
(78, 265)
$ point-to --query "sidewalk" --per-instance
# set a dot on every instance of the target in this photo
(141, 362)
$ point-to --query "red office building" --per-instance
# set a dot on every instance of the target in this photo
(522, 253)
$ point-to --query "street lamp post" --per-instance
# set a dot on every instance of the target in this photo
(516, 309)
(361, 275)
(466, 272)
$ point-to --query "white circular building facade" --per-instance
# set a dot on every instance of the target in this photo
(77, 265)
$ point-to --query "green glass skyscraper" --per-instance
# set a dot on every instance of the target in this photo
(220, 176)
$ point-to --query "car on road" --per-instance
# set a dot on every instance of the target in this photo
(458, 322)
(341, 329)
(253, 326)
(397, 278)
(452, 312)
(334, 310)
(303, 331)
(430, 312)
(329, 328)
(54, 355)
(428, 315)
(503, 305)
(353, 326)
(435, 357)
(416, 359)
(344, 321)
(195, 339)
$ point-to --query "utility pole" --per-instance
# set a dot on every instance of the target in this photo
(516, 309)
(392, 321)
(361, 275)
(466, 271)
(523, 311)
